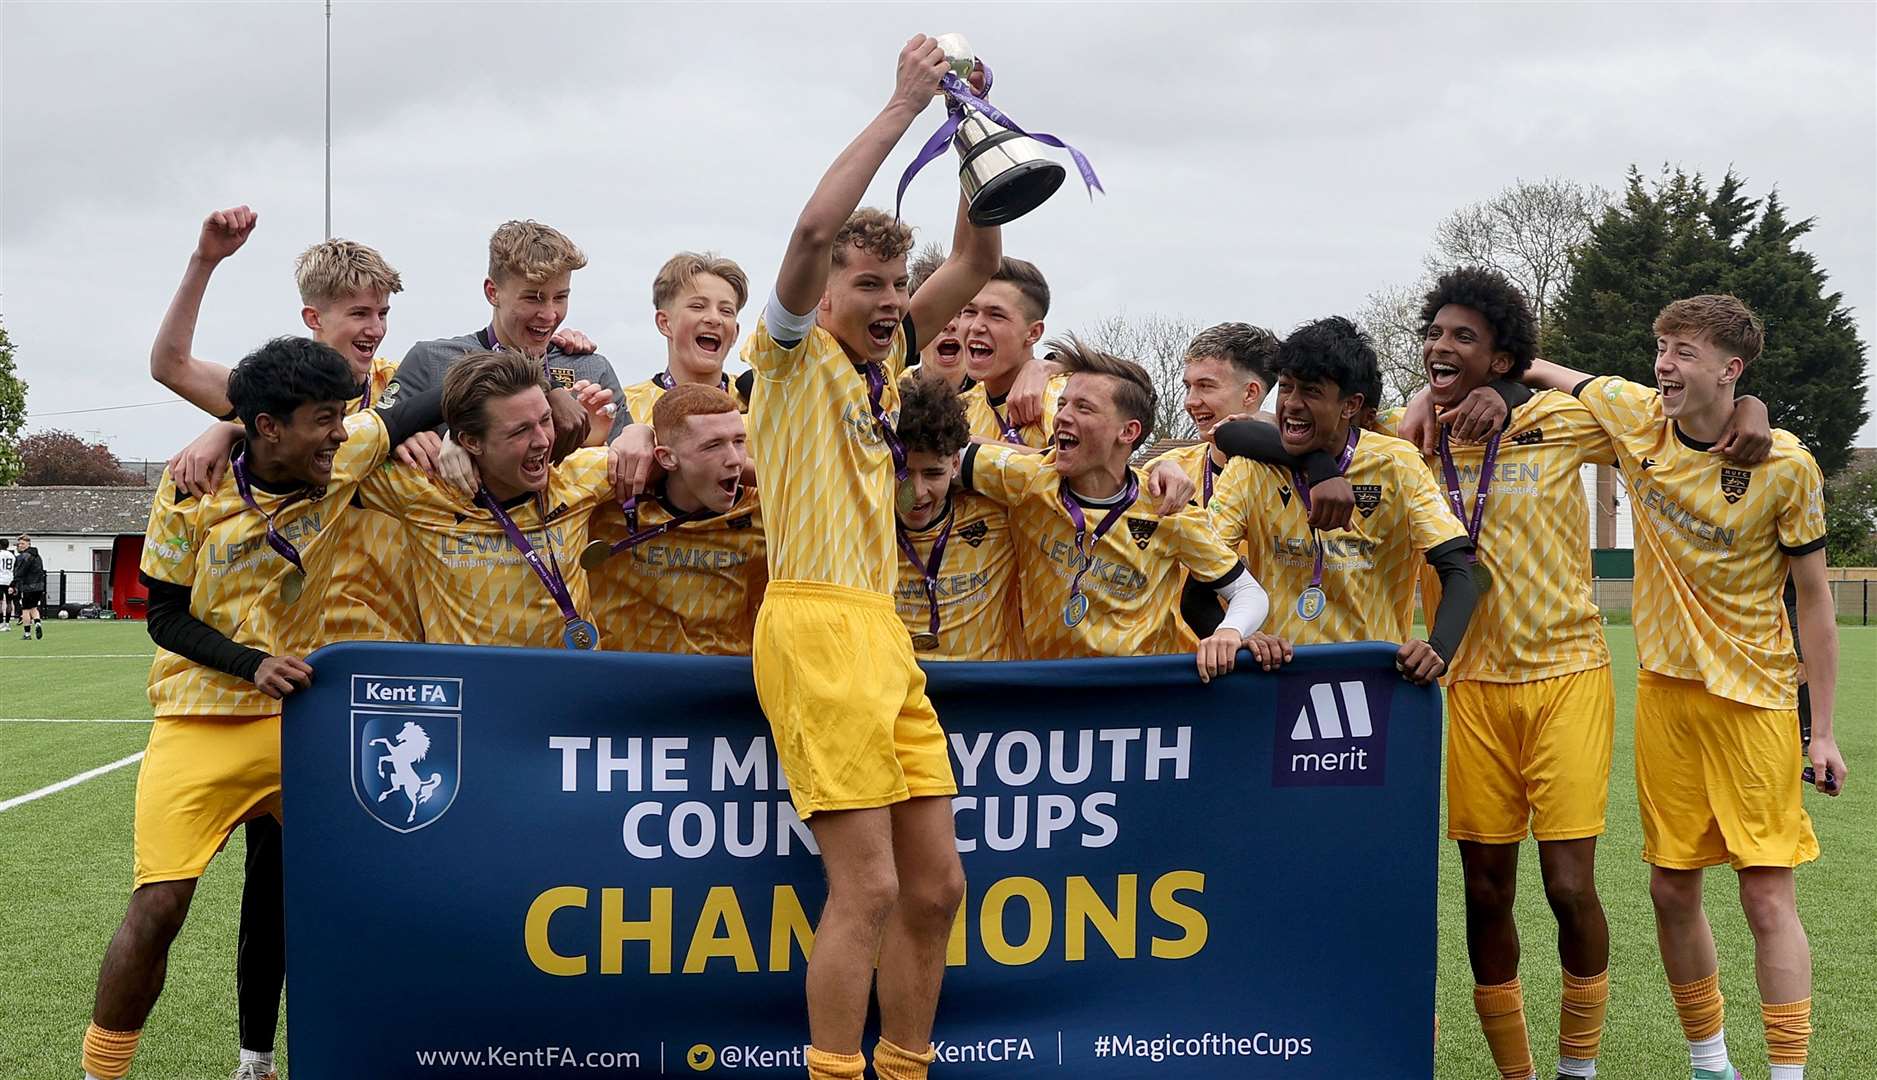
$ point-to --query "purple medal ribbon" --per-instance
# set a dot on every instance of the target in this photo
(1012, 433)
(876, 396)
(636, 536)
(548, 572)
(1303, 491)
(1084, 542)
(664, 381)
(1456, 502)
(279, 543)
(927, 570)
(959, 94)
(1206, 472)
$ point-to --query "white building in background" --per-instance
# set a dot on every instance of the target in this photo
(91, 540)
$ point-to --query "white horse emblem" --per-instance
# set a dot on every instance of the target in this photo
(409, 749)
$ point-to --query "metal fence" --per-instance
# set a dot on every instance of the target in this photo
(1853, 599)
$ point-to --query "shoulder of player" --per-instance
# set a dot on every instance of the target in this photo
(1789, 454)
(432, 350)
(1386, 450)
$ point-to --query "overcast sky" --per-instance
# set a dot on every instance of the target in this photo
(1269, 163)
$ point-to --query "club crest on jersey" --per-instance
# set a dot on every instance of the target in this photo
(1529, 438)
(1734, 483)
(743, 521)
(1142, 530)
(563, 377)
(1368, 497)
(559, 509)
(975, 533)
(405, 766)
(1283, 494)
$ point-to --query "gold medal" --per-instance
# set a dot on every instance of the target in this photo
(292, 586)
(1482, 578)
(595, 554)
(925, 642)
(906, 498)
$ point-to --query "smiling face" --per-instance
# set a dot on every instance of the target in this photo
(528, 312)
(1695, 375)
(1091, 436)
(1314, 414)
(353, 326)
(929, 474)
(1458, 356)
(999, 334)
(704, 460)
(303, 444)
(865, 300)
(1215, 390)
(512, 451)
(699, 325)
(944, 356)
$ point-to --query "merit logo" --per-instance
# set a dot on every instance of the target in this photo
(1331, 733)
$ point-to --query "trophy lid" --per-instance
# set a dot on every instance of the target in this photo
(958, 51)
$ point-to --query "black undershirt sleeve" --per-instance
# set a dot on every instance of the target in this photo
(1458, 596)
(412, 412)
(1512, 392)
(174, 628)
(1261, 442)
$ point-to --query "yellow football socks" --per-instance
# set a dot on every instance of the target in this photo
(108, 1053)
(1788, 1031)
(893, 1062)
(825, 1066)
(1580, 1015)
(1502, 1017)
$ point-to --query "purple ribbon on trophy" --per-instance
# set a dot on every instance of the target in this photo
(961, 99)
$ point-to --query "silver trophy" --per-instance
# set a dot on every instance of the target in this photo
(1005, 174)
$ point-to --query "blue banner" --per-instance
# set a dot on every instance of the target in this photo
(509, 862)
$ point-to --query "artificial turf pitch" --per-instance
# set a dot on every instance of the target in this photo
(65, 871)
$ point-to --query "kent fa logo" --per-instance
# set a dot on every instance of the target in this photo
(974, 533)
(406, 748)
(563, 377)
(1142, 530)
(1368, 497)
(1734, 483)
(742, 522)
(1530, 438)
(1331, 733)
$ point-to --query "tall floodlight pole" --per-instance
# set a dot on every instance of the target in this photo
(328, 119)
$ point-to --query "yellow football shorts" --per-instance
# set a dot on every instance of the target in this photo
(1718, 781)
(201, 776)
(845, 699)
(1529, 755)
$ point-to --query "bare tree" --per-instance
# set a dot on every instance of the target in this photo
(1158, 343)
(1526, 232)
(1391, 316)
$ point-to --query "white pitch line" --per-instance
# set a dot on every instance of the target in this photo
(74, 720)
(85, 656)
(74, 781)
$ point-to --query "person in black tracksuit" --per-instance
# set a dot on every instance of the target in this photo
(29, 580)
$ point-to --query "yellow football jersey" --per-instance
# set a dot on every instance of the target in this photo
(1539, 620)
(642, 396)
(980, 617)
(1196, 462)
(217, 548)
(694, 589)
(987, 417)
(827, 476)
(371, 597)
(1712, 543)
(473, 586)
(1369, 569)
(1133, 578)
